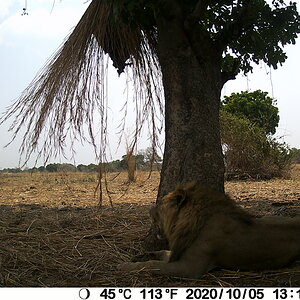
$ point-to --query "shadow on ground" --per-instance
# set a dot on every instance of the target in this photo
(69, 246)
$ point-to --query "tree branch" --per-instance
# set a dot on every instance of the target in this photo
(199, 37)
(226, 76)
(241, 22)
(171, 8)
(199, 9)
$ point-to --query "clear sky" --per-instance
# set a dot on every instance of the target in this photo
(26, 42)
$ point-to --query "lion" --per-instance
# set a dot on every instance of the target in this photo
(205, 229)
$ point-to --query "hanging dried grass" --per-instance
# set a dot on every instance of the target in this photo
(62, 101)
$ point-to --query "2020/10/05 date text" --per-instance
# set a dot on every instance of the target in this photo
(189, 293)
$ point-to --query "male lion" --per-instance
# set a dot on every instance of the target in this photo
(205, 229)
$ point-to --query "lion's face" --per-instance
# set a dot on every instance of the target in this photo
(165, 211)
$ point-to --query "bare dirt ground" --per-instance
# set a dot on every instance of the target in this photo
(53, 232)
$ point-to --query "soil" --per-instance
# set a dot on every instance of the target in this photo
(54, 233)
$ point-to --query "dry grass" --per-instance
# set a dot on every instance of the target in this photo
(53, 233)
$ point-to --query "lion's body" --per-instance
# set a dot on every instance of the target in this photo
(205, 229)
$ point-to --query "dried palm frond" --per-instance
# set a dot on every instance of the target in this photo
(63, 99)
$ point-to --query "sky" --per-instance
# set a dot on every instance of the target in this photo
(27, 42)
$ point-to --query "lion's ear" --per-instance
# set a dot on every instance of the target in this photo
(180, 197)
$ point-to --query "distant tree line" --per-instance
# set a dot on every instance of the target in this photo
(144, 160)
(248, 122)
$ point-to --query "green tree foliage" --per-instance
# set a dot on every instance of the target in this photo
(52, 167)
(41, 169)
(82, 168)
(247, 31)
(11, 170)
(256, 106)
(249, 153)
(66, 168)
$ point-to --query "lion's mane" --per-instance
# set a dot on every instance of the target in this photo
(186, 210)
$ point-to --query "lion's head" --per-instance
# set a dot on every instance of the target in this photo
(166, 211)
(181, 214)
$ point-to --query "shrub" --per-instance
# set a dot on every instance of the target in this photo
(295, 153)
(249, 153)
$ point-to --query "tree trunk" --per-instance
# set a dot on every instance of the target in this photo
(192, 89)
(192, 99)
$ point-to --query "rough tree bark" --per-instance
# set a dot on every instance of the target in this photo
(192, 95)
(192, 86)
